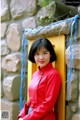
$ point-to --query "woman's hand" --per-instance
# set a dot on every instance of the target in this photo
(20, 119)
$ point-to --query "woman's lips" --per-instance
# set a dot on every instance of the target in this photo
(41, 62)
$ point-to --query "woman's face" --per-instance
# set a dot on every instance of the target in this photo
(42, 57)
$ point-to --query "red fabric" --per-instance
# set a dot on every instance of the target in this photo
(43, 93)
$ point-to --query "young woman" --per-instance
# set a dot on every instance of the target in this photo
(45, 84)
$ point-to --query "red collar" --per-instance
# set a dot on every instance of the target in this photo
(45, 68)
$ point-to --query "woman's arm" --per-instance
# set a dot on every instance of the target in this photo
(24, 111)
(52, 92)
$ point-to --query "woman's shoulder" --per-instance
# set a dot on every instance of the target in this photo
(53, 70)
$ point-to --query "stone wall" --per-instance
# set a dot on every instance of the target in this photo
(16, 15)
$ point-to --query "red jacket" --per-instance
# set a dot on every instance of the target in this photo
(43, 93)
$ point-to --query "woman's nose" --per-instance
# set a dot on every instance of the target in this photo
(41, 56)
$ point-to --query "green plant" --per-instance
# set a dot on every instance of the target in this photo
(44, 20)
(44, 3)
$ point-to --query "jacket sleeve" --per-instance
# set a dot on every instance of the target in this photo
(52, 91)
(24, 111)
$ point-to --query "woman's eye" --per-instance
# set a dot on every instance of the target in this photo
(45, 52)
(36, 54)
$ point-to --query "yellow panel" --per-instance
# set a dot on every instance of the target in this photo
(58, 43)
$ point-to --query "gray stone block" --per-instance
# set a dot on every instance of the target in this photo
(75, 56)
(11, 86)
(11, 107)
(12, 63)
